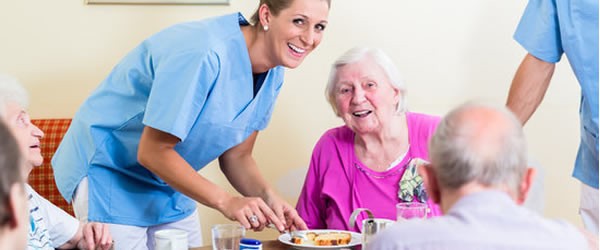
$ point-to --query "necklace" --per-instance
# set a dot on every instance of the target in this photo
(397, 171)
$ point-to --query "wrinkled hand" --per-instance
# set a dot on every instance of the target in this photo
(95, 236)
(241, 209)
(285, 212)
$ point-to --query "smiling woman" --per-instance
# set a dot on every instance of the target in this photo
(185, 96)
(363, 163)
(292, 29)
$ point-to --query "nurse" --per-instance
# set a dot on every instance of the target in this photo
(187, 95)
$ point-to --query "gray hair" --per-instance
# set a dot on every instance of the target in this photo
(11, 91)
(356, 54)
(460, 153)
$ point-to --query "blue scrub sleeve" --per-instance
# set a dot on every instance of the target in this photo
(538, 31)
(179, 89)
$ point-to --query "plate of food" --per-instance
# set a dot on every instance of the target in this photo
(323, 238)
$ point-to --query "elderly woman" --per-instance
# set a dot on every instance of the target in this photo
(363, 164)
(49, 226)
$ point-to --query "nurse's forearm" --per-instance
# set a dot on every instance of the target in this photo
(156, 152)
(245, 177)
(242, 172)
(529, 87)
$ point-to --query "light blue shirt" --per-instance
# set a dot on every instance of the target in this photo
(192, 80)
(550, 28)
(488, 220)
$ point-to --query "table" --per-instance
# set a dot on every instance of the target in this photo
(266, 245)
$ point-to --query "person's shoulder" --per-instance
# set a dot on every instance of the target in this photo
(560, 233)
(277, 75)
(562, 229)
(217, 24)
(332, 137)
(39, 204)
(208, 34)
(408, 233)
(32, 195)
(421, 118)
(422, 125)
(337, 133)
(28, 188)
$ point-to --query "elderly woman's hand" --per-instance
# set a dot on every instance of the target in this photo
(285, 212)
(95, 236)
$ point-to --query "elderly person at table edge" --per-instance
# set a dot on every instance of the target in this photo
(479, 176)
(51, 227)
(364, 163)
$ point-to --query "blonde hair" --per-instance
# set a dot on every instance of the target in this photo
(275, 6)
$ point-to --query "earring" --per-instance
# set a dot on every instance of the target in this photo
(266, 27)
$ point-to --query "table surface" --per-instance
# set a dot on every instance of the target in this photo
(266, 245)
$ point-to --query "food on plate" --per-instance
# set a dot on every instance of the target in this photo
(332, 239)
(322, 239)
(303, 238)
(299, 239)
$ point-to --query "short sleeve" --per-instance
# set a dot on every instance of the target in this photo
(539, 32)
(179, 90)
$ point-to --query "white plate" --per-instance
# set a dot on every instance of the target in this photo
(356, 240)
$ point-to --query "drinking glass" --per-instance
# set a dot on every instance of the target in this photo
(411, 210)
(227, 236)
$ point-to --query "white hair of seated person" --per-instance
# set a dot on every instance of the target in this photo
(11, 91)
(461, 156)
(356, 54)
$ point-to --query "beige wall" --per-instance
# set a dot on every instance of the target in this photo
(449, 51)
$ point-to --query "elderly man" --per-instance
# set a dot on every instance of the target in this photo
(478, 176)
(51, 227)
(13, 206)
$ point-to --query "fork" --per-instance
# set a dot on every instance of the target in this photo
(286, 231)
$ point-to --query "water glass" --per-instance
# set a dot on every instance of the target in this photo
(411, 210)
(227, 236)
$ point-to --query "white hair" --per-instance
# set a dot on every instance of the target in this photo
(495, 155)
(11, 91)
(356, 54)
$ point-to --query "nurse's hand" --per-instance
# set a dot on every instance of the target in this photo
(251, 212)
(285, 212)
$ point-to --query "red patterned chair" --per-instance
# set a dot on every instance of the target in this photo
(42, 177)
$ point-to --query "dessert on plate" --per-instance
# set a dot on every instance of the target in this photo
(322, 239)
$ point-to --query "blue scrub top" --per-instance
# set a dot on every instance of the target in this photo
(192, 80)
(550, 28)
